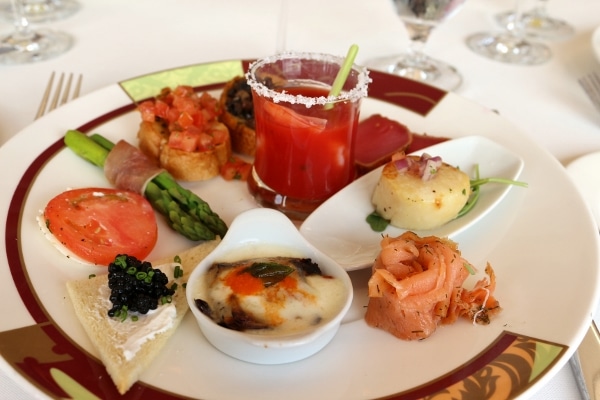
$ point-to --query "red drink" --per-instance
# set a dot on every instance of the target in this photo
(304, 137)
(305, 152)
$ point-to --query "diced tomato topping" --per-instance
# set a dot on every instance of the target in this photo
(161, 108)
(185, 104)
(219, 133)
(191, 118)
(185, 120)
(200, 119)
(147, 110)
(205, 142)
(184, 91)
(187, 140)
(236, 169)
(172, 115)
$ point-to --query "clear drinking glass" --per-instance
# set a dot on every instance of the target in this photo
(44, 10)
(26, 45)
(304, 137)
(420, 17)
(510, 45)
(538, 23)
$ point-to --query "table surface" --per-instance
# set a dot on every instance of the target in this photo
(116, 40)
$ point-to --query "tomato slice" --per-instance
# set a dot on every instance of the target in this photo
(97, 224)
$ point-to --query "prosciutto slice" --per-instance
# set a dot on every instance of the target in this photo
(127, 168)
(377, 138)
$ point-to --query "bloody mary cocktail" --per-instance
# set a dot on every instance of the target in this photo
(304, 138)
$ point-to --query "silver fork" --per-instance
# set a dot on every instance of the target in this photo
(591, 85)
(57, 99)
(586, 364)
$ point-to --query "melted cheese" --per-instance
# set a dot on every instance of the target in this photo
(286, 310)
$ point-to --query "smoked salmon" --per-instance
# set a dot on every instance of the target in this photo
(417, 285)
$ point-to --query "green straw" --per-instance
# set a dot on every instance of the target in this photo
(342, 74)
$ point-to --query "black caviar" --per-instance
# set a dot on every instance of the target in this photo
(136, 286)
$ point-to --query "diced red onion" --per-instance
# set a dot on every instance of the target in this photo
(431, 167)
(401, 164)
(426, 165)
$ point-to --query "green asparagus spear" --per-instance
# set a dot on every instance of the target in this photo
(185, 212)
(191, 203)
(86, 148)
(177, 219)
(186, 199)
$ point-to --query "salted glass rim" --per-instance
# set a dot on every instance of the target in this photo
(359, 91)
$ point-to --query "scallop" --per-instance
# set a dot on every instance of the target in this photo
(409, 202)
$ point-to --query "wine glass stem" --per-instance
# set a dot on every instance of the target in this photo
(20, 21)
(515, 26)
(418, 34)
(540, 8)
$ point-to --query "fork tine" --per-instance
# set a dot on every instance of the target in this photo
(77, 87)
(591, 85)
(61, 96)
(44, 102)
(58, 89)
(65, 96)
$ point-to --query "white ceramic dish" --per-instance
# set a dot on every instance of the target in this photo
(518, 237)
(266, 233)
(355, 245)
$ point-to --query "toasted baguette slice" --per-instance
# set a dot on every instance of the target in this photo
(183, 165)
(152, 137)
(238, 115)
(93, 315)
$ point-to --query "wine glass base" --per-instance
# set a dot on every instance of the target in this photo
(537, 25)
(38, 46)
(426, 70)
(509, 49)
(43, 11)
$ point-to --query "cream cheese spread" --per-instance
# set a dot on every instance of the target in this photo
(131, 335)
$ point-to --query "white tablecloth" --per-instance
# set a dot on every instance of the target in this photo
(116, 40)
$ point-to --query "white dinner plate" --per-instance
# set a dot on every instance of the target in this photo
(355, 245)
(541, 242)
(584, 172)
(596, 43)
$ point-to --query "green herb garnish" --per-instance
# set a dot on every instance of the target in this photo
(377, 222)
(269, 272)
(177, 272)
(475, 192)
(121, 260)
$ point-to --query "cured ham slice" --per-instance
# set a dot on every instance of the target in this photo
(417, 285)
(421, 140)
(127, 168)
(377, 138)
